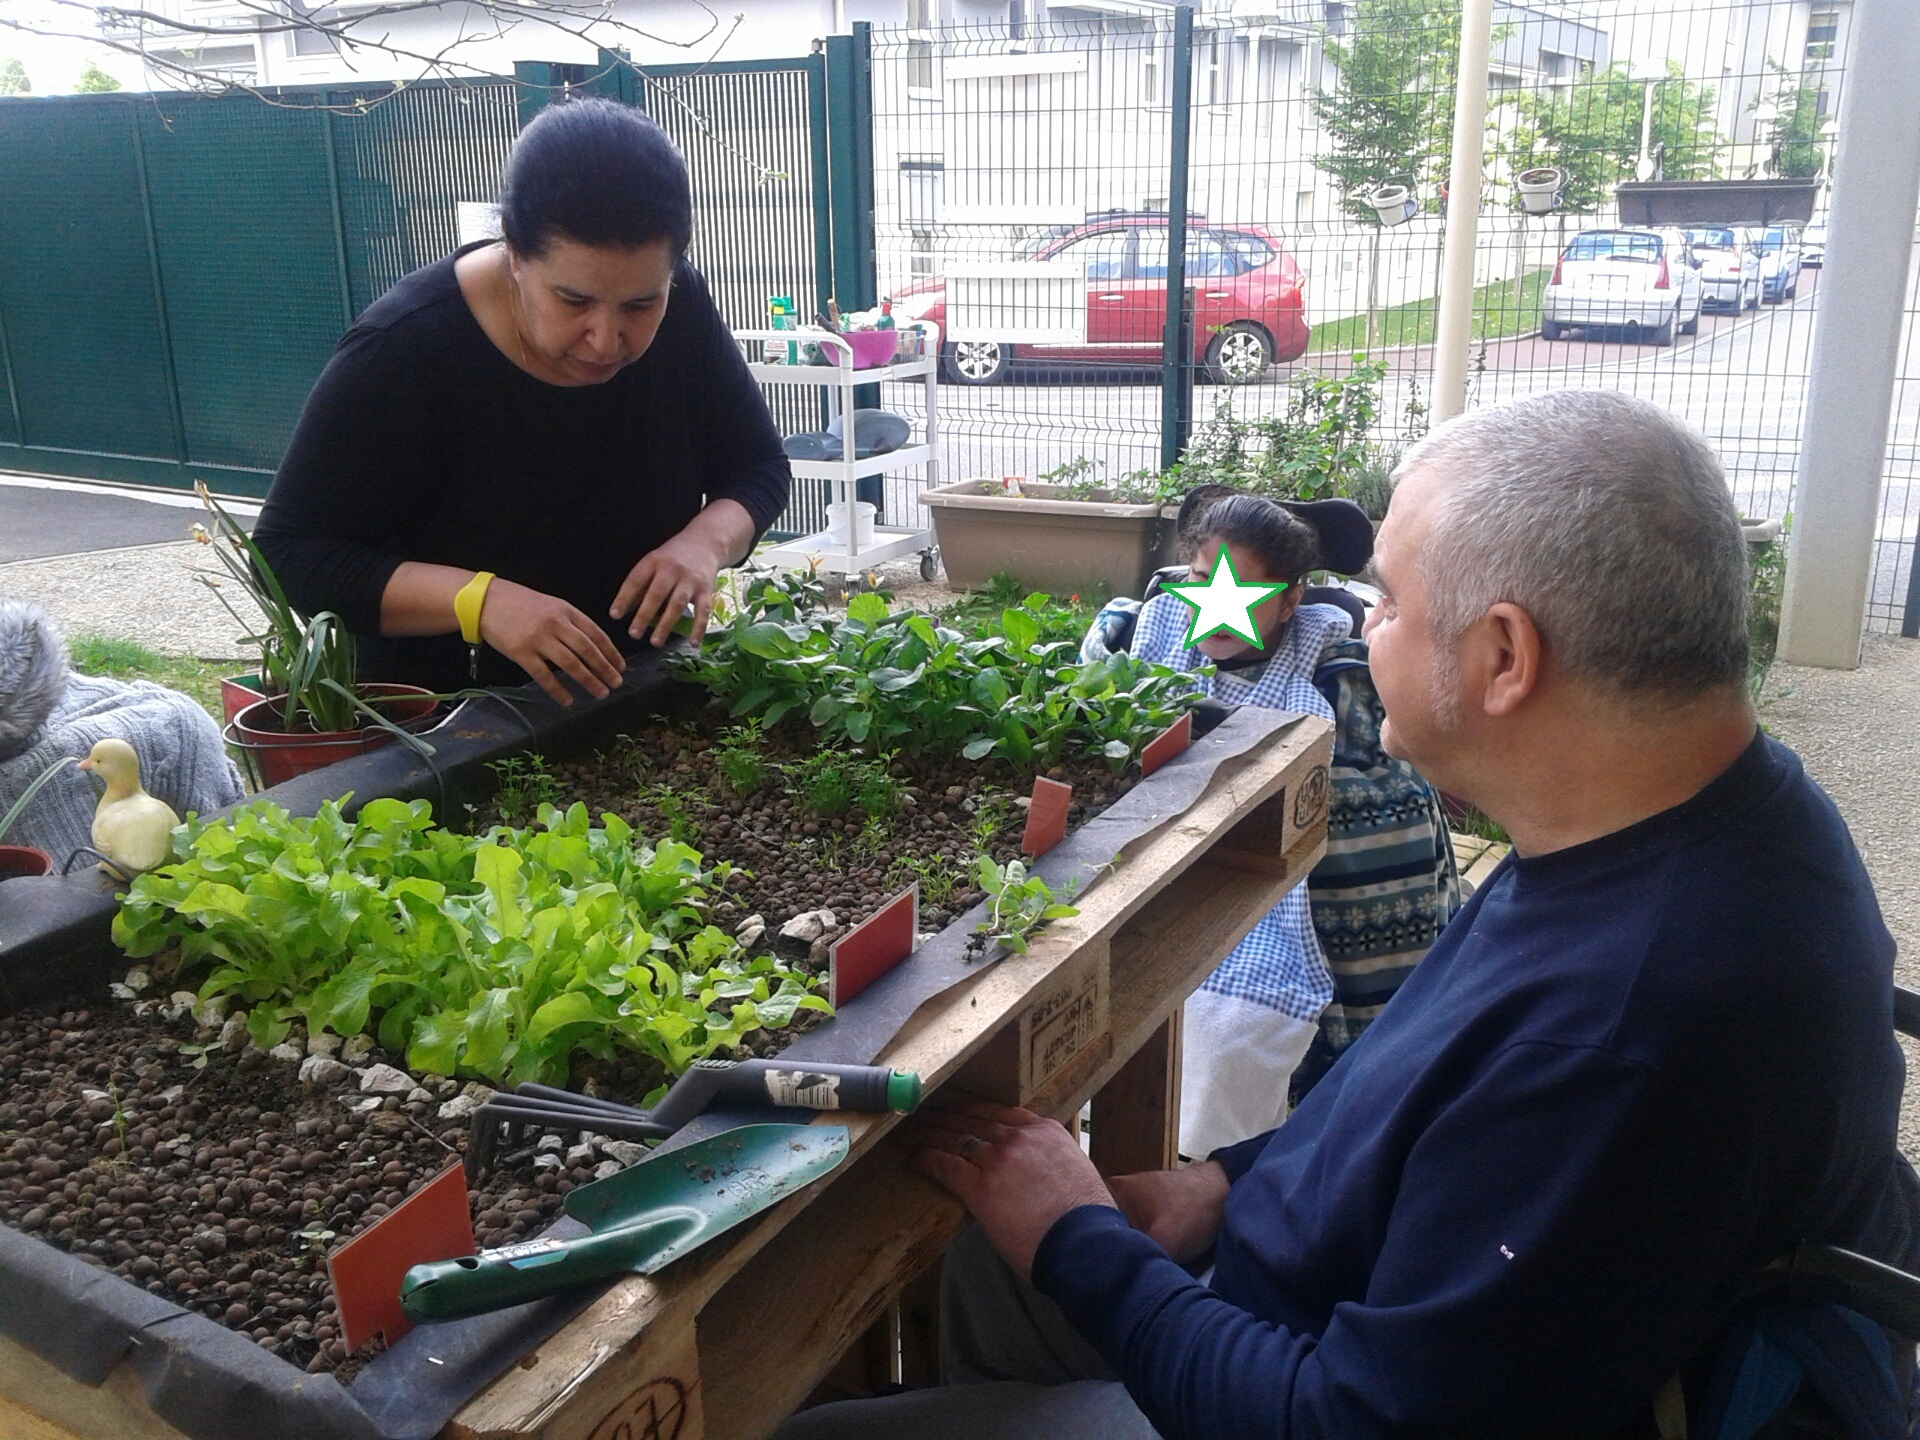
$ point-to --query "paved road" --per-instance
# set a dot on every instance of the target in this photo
(1742, 380)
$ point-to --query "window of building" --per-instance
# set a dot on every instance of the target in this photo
(1150, 93)
(922, 16)
(1823, 29)
(1821, 100)
(920, 181)
(314, 42)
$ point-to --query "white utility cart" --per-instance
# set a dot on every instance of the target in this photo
(835, 552)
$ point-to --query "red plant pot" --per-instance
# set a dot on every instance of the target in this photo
(239, 691)
(282, 754)
(18, 861)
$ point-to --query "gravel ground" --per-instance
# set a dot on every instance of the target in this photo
(1859, 733)
(144, 593)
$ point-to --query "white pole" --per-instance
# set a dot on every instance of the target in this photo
(1644, 170)
(1856, 341)
(1453, 328)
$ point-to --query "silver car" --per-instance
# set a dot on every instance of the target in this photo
(1644, 280)
(1729, 267)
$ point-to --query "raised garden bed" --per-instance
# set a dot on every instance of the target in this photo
(210, 1174)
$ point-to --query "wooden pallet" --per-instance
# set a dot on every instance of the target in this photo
(729, 1343)
(732, 1340)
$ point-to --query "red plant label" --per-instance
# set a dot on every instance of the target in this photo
(1167, 744)
(1046, 816)
(873, 947)
(433, 1223)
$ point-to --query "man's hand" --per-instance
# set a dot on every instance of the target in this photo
(541, 633)
(1016, 1171)
(682, 572)
(1180, 1209)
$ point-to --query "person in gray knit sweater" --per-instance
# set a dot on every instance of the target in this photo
(48, 713)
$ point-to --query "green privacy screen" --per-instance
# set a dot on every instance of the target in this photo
(175, 269)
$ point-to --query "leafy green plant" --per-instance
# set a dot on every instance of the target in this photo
(878, 679)
(499, 955)
(1018, 903)
(740, 756)
(675, 806)
(991, 815)
(1767, 584)
(524, 783)
(940, 879)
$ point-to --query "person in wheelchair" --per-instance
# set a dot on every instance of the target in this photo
(1311, 977)
(1652, 1053)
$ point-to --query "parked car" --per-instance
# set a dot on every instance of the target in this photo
(1644, 280)
(1729, 267)
(1780, 262)
(1248, 312)
(1813, 246)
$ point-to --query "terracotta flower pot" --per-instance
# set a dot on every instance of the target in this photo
(239, 691)
(23, 860)
(282, 754)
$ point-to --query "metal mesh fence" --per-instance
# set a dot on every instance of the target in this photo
(1011, 159)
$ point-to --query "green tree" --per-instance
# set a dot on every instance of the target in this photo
(13, 78)
(1794, 136)
(1592, 131)
(1390, 118)
(95, 81)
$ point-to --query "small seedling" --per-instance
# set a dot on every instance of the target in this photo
(524, 785)
(739, 756)
(631, 763)
(991, 815)
(939, 878)
(678, 808)
(1018, 904)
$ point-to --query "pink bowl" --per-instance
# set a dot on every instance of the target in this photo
(872, 348)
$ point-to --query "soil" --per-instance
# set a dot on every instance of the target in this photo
(668, 781)
(216, 1178)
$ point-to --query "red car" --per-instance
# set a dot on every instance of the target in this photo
(1248, 312)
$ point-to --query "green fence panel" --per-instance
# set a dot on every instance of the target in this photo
(85, 347)
(404, 168)
(249, 248)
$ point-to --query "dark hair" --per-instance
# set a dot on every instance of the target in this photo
(597, 172)
(1252, 525)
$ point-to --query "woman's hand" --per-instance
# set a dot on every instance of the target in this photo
(1180, 1209)
(682, 572)
(541, 633)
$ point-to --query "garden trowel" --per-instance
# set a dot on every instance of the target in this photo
(648, 1215)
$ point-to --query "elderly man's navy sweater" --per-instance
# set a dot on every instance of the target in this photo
(1629, 1073)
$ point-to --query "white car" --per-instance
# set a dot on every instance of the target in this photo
(1779, 263)
(1729, 267)
(1813, 246)
(1644, 280)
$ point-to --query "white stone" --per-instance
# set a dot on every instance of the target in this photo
(385, 1080)
(321, 1070)
(549, 1144)
(91, 1095)
(546, 1160)
(119, 991)
(579, 1155)
(356, 1049)
(419, 1095)
(325, 1043)
(444, 1087)
(623, 1152)
(365, 1103)
(479, 1093)
(144, 1008)
(171, 1094)
(211, 1014)
(138, 979)
(606, 1168)
(808, 926)
(179, 1005)
(287, 1053)
(460, 1107)
(233, 1034)
(750, 930)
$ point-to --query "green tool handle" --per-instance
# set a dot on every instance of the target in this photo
(515, 1274)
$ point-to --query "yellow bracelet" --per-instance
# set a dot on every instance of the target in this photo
(467, 604)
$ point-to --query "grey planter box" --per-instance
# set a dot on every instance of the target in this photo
(1044, 541)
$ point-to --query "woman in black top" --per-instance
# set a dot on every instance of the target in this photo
(563, 408)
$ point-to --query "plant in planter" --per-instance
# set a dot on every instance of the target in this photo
(310, 711)
(25, 860)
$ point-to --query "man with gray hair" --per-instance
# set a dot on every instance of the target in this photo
(1652, 1053)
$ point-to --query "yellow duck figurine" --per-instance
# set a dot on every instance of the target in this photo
(130, 827)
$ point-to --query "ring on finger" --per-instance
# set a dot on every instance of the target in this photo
(969, 1145)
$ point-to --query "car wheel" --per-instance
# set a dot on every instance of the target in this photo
(1752, 302)
(1661, 336)
(1793, 289)
(976, 362)
(1552, 330)
(1239, 354)
(1692, 327)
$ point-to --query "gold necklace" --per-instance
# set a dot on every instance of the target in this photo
(513, 305)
